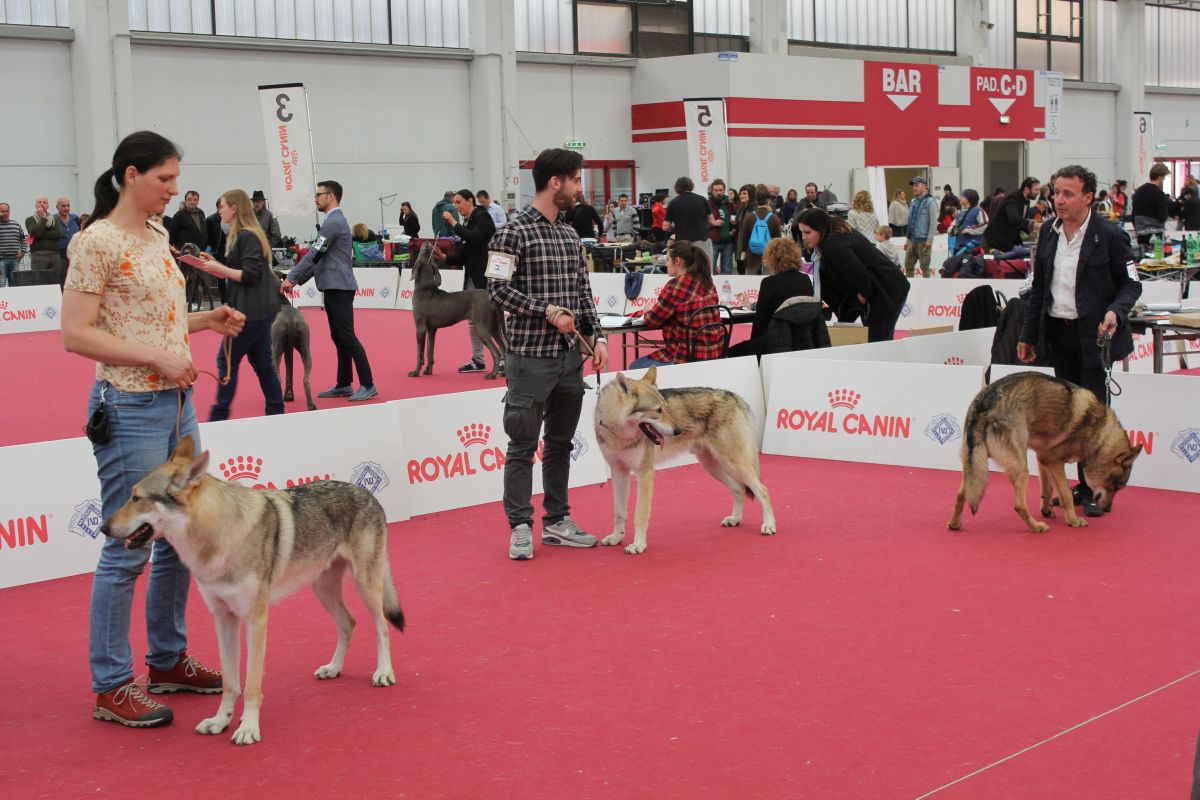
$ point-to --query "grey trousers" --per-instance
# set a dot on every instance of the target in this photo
(476, 342)
(549, 390)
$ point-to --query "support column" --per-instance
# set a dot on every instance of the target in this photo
(1129, 61)
(493, 96)
(101, 87)
(971, 31)
(768, 27)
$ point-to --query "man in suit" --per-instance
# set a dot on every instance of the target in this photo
(331, 259)
(1084, 287)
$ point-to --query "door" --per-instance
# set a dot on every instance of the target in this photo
(1002, 166)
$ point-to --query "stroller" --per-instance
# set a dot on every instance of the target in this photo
(829, 200)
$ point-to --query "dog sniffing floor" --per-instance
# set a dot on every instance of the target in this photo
(864, 651)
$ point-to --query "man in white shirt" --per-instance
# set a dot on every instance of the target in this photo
(1084, 287)
(494, 210)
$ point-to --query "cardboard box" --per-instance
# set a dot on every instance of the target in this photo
(931, 330)
(840, 334)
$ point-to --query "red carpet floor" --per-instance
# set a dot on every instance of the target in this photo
(864, 652)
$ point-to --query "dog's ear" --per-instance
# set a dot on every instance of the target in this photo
(185, 449)
(651, 375)
(1125, 459)
(622, 382)
(193, 472)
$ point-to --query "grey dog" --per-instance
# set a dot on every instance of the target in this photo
(289, 332)
(434, 308)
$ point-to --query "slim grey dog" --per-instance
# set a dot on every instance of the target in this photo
(434, 308)
(289, 332)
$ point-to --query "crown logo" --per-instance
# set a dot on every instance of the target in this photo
(962, 297)
(954, 361)
(241, 467)
(843, 398)
(475, 433)
(3, 305)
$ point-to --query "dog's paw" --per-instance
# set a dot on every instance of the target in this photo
(383, 677)
(767, 530)
(312, 406)
(327, 671)
(428, 371)
(954, 525)
(1078, 522)
(214, 725)
(288, 396)
(1039, 527)
(247, 734)
(731, 522)
(1048, 512)
(635, 548)
(491, 376)
(613, 539)
(416, 373)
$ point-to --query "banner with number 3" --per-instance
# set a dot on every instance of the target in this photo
(289, 149)
(708, 143)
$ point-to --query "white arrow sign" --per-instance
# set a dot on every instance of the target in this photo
(1002, 104)
(902, 101)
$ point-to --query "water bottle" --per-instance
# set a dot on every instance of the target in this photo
(1157, 241)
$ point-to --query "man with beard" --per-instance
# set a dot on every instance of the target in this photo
(537, 274)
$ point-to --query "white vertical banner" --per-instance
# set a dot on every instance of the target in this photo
(289, 148)
(1054, 94)
(1143, 143)
(708, 142)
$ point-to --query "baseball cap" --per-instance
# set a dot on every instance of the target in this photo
(918, 179)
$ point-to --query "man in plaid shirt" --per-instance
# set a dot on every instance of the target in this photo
(546, 292)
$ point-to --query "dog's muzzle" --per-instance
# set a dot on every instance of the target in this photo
(143, 534)
(651, 433)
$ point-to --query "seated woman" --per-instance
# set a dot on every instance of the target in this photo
(856, 279)
(690, 288)
(967, 231)
(784, 282)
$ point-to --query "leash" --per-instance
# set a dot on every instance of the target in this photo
(1111, 387)
(227, 351)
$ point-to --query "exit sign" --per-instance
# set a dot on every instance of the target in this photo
(575, 145)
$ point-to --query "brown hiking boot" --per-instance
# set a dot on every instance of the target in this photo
(188, 675)
(128, 705)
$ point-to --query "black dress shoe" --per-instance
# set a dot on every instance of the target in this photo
(1091, 508)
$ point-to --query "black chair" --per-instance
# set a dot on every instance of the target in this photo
(724, 321)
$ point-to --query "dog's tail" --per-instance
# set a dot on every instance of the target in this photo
(974, 458)
(391, 603)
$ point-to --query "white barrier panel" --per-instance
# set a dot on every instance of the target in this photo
(377, 287)
(904, 414)
(360, 445)
(608, 290)
(25, 309)
(452, 281)
(956, 348)
(50, 513)
(306, 296)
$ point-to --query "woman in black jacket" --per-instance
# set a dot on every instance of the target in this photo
(408, 219)
(475, 236)
(853, 276)
(785, 280)
(253, 290)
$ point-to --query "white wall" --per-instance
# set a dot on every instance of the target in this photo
(37, 147)
(1089, 133)
(380, 125)
(1176, 123)
(559, 103)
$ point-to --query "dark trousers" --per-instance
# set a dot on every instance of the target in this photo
(884, 330)
(339, 308)
(549, 390)
(254, 343)
(1066, 349)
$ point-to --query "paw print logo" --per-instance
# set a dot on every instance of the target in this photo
(475, 433)
(954, 361)
(1187, 445)
(943, 428)
(843, 398)
(241, 468)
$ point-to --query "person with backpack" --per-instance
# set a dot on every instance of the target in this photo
(759, 228)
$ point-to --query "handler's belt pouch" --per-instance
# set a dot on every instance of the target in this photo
(98, 430)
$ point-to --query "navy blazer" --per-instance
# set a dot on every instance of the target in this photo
(1105, 281)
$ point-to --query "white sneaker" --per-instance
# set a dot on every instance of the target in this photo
(566, 532)
(520, 544)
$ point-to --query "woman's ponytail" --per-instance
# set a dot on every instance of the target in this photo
(106, 197)
(143, 151)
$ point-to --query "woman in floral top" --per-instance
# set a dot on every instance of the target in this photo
(691, 287)
(124, 308)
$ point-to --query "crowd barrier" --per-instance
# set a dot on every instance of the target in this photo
(26, 309)
(416, 456)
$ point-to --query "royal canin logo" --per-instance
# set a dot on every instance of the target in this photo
(748, 296)
(954, 361)
(465, 462)
(366, 291)
(24, 531)
(850, 422)
(247, 471)
(16, 314)
(946, 309)
(3, 305)
(1144, 438)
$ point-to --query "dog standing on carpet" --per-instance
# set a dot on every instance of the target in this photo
(290, 333)
(434, 308)
(248, 548)
(638, 426)
(1062, 423)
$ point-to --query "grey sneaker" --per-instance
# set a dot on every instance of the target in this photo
(566, 532)
(520, 545)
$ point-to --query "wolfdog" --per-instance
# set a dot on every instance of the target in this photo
(248, 548)
(637, 426)
(434, 308)
(1062, 423)
(289, 332)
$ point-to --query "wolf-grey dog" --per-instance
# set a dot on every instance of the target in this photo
(248, 548)
(290, 333)
(434, 308)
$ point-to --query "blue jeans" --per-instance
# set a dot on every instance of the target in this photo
(723, 259)
(254, 343)
(143, 437)
(646, 361)
(7, 267)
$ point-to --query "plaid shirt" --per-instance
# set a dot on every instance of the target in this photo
(550, 271)
(679, 298)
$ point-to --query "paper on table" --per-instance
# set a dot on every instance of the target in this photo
(615, 321)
